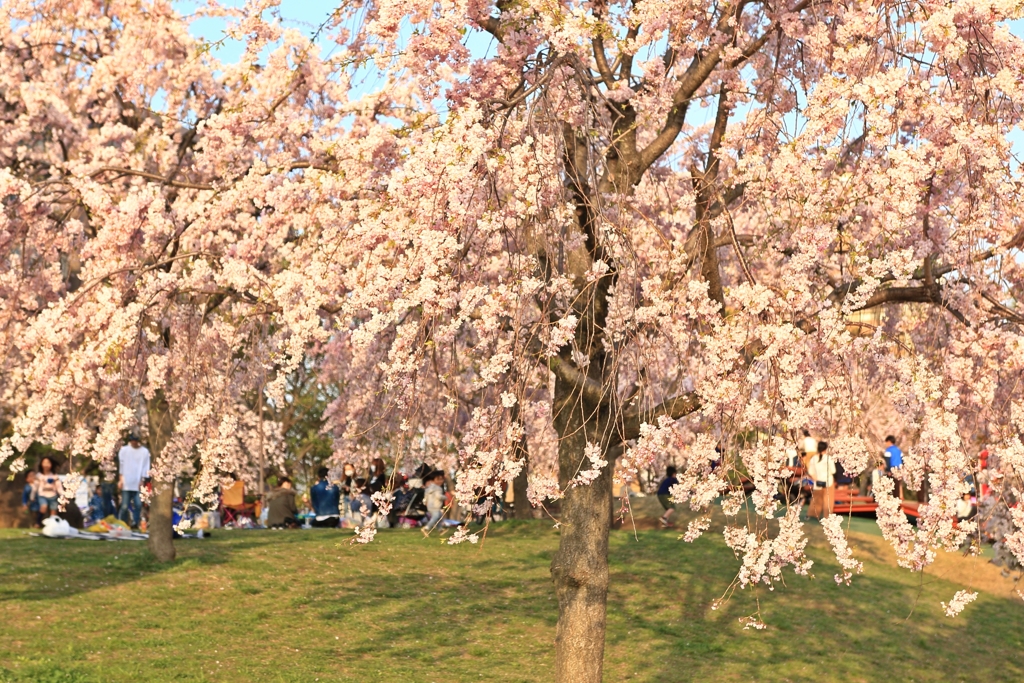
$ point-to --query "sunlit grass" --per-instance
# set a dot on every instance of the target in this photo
(307, 605)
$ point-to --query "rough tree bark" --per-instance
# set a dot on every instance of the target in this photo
(580, 567)
(521, 503)
(161, 531)
(521, 508)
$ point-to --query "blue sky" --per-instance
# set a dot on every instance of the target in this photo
(308, 15)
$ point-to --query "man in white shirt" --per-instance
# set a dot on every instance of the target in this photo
(822, 468)
(133, 460)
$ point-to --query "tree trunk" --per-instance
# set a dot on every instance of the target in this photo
(580, 568)
(521, 508)
(161, 530)
(520, 501)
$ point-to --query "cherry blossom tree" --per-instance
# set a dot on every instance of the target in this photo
(656, 224)
(530, 237)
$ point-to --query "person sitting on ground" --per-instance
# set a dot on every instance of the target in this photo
(414, 510)
(434, 497)
(29, 503)
(96, 506)
(360, 504)
(348, 482)
(47, 488)
(403, 498)
(281, 508)
(664, 495)
(965, 508)
(378, 478)
(325, 498)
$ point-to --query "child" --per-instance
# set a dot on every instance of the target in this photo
(48, 488)
(28, 499)
(360, 504)
(877, 475)
(96, 506)
(965, 508)
(434, 499)
(664, 495)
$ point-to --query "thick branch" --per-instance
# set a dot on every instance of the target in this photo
(152, 176)
(675, 407)
(170, 182)
(928, 295)
(744, 239)
(592, 391)
(694, 77)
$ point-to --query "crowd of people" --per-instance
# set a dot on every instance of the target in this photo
(44, 493)
(815, 476)
(422, 499)
(350, 501)
(345, 498)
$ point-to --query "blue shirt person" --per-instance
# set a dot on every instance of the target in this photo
(893, 455)
(96, 510)
(325, 498)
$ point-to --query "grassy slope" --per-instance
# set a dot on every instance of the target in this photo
(306, 605)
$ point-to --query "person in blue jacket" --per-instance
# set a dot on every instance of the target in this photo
(894, 460)
(325, 498)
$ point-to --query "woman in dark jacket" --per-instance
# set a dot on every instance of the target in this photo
(378, 476)
(377, 480)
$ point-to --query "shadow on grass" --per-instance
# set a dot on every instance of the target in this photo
(406, 608)
(887, 625)
(37, 569)
(460, 609)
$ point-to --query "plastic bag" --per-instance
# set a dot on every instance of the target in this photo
(55, 527)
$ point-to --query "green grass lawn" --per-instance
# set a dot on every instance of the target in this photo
(307, 605)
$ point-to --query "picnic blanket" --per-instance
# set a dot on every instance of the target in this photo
(56, 527)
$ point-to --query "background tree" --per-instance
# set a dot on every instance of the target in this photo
(150, 240)
(301, 418)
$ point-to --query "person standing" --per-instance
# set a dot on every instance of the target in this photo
(810, 448)
(48, 488)
(665, 495)
(434, 499)
(893, 461)
(822, 469)
(133, 459)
